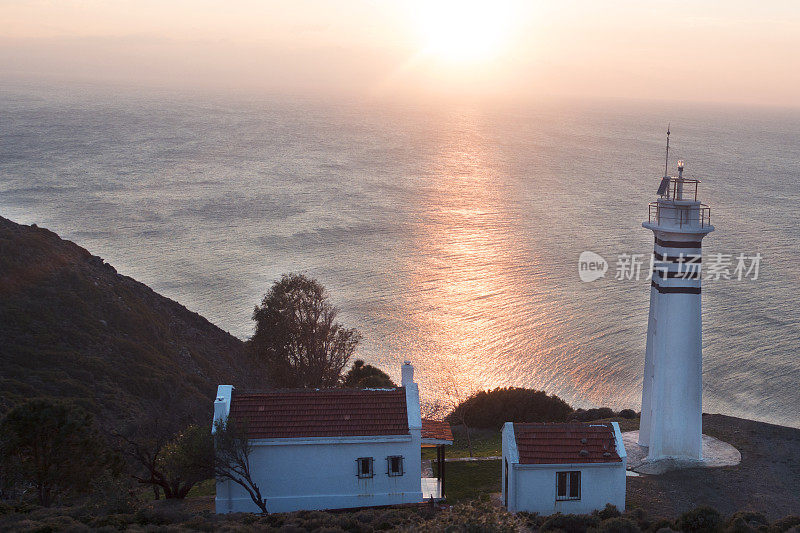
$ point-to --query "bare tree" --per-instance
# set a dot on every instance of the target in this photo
(456, 393)
(297, 335)
(433, 409)
(232, 459)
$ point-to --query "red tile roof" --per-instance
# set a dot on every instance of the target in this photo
(436, 429)
(566, 443)
(321, 413)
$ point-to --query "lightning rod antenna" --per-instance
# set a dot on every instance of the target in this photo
(666, 161)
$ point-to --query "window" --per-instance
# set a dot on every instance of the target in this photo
(395, 465)
(364, 467)
(568, 485)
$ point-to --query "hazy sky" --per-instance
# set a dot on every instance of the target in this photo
(734, 51)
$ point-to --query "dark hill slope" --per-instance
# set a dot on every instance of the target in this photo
(71, 327)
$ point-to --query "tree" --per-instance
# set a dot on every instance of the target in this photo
(363, 376)
(297, 335)
(491, 408)
(173, 463)
(232, 450)
(54, 446)
(187, 460)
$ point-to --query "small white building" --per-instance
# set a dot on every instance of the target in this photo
(330, 448)
(572, 468)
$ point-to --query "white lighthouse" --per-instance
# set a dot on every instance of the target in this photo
(671, 422)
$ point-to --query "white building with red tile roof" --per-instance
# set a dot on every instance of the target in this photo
(331, 448)
(572, 468)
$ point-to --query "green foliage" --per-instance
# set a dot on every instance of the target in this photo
(746, 522)
(186, 460)
(111, 495)
(490, 409)
(570, 523)
(618, 524)
(702, 519)
(476, 515)
(53, 446)
(587, 415)
(363, 376)
(661, 525)
(297, 337)
(609, 511)
(787, 523)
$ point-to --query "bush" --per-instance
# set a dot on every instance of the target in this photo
(628, 414)
(587, 415)
(638, 515)
(111, 495)
(570, 523)
(490, 409)
(661, 525)
(745, 522)
(787, 523)
(53, 446)
(532, 520)
(703, 519)
(162, 513)
(364, 376)
(618, 524)
(610, 511)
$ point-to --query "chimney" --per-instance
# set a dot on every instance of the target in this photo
(222, 404)
(407, 374)
(220, 409)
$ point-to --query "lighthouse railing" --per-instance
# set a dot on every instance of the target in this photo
(681, 189)
(673, 214)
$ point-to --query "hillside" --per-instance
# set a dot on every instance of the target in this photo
(72, 327)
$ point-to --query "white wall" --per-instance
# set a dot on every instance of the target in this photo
(532, 488)
(322, 475)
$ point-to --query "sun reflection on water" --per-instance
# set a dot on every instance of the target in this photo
(466, 276)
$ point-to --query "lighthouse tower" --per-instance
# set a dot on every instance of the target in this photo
(671, 422)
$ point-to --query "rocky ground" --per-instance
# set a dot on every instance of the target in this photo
(766, 481)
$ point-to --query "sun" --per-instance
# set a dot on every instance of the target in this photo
(465, 31)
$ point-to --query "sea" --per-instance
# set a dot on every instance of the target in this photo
(447, 233)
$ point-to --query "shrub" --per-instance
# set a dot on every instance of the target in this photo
(703, 519)
(660, 524)
(610, 511)
(162, 513)
(111, 495)
(628, 414)
(787, 523)
(364, 376)
(618, 524)
(745, 522)
(490, 409)
(532, 520)
(587, 415)
(570, 523)
(54, 446)
(638, 515)
(115, 521)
